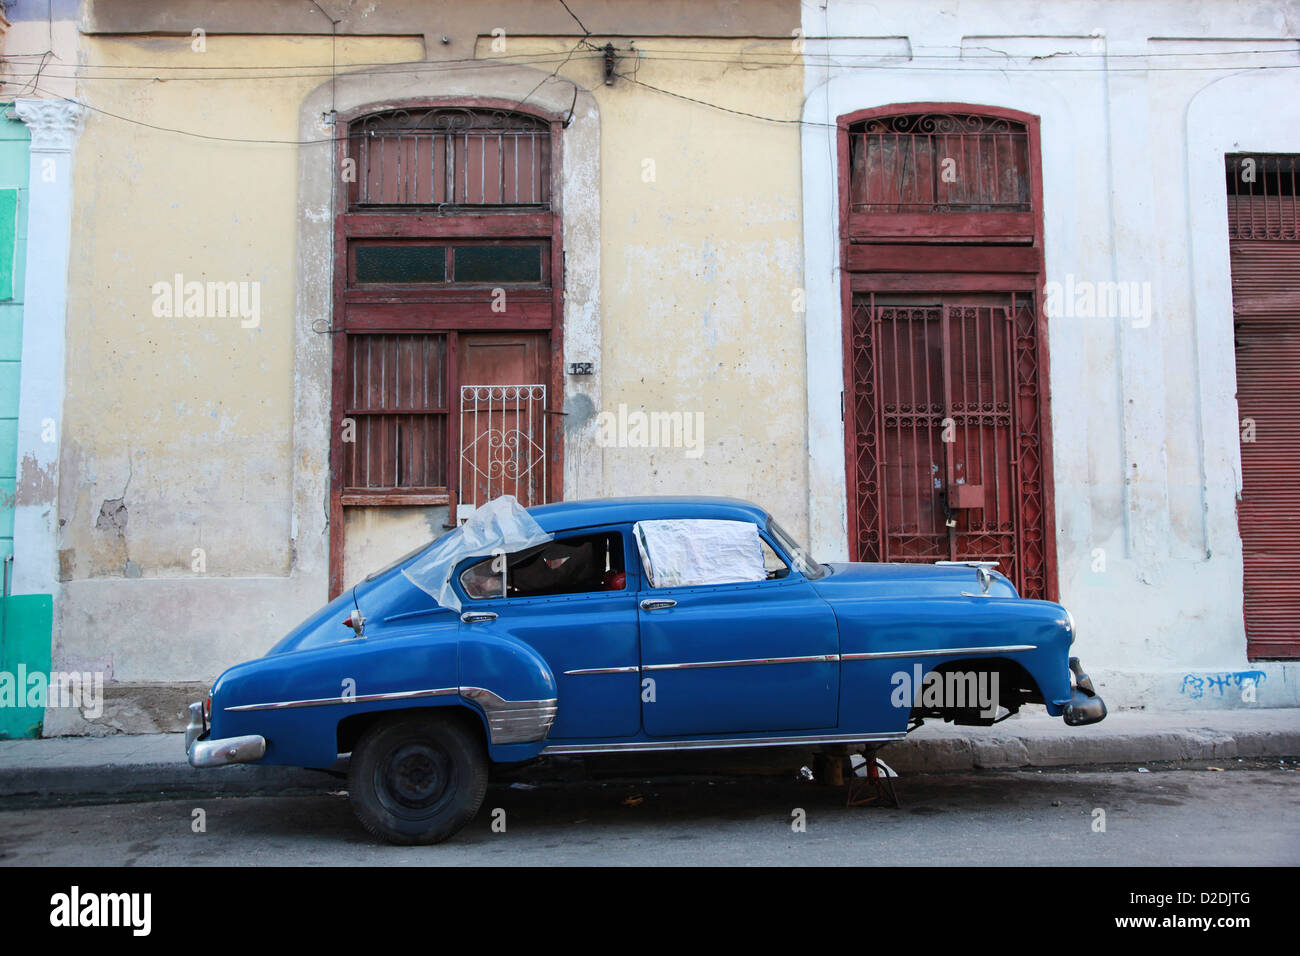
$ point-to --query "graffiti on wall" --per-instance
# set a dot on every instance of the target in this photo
(1238, 683)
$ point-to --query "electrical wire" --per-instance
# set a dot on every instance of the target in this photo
(585, 31)
(704, 56)
(555, 72)
(422, 66)
(270, 66)
(728, 52)
(631, 78)
(593, 52)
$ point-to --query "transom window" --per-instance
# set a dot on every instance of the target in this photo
(422, 263)
(451, 157)
(939, 163)
(1263, 196)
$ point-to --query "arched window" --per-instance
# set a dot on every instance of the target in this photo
(455, 157)
(939, 163)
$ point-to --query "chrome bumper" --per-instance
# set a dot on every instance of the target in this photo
(1084, 707)
(217, 753)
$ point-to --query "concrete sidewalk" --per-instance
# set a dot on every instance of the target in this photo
(155, 763)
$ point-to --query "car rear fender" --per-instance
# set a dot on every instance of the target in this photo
(511, 687)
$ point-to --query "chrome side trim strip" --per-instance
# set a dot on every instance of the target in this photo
(633, 669)
(810, 659)
(730, 743)
(939, 652)
(361, 699)
(509, 721)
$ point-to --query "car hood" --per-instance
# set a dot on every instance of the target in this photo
(859, 580)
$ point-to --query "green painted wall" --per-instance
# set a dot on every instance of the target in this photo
(25, 621)
(14, 142)
(24, 649)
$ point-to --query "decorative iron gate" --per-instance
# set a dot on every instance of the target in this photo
(948, 462)
(502, 445)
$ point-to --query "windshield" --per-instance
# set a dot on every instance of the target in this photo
(804, 562)
(501, 526)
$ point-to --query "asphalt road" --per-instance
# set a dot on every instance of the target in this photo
(1179, 817)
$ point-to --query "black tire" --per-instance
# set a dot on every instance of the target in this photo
(417, 780)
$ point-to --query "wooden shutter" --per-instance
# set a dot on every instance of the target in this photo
(1266, 318)
(395, 393)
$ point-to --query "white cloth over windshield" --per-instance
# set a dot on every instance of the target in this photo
(679, 552)
(501, 526)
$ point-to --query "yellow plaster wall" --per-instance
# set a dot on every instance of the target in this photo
(188, 420)
(700, 264)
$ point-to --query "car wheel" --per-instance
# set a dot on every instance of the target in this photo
(417, 780)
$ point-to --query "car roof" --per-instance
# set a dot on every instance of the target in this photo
(563, 515)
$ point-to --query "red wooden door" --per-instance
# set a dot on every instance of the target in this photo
(948, 442)
(503, 396)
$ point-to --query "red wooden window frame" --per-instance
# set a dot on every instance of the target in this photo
(444, 308)
(953, 253)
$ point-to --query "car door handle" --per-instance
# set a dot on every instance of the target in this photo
(474, 617)
(655, 604)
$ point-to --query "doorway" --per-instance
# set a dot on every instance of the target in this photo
(946, 430)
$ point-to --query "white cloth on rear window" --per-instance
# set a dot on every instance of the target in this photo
(680, 552)
(502, 526)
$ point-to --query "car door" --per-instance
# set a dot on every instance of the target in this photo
(734, 657)
(587, 636)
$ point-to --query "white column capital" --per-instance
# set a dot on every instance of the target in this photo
(54, 123)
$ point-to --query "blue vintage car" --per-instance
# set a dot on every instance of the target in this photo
(616, 625)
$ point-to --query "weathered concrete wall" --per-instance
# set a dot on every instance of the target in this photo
(1144, 423)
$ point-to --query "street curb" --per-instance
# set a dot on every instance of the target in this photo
(992, 750)
(120, 765)
(120, 779)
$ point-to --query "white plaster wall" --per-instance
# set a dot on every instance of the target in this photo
(1144, 422)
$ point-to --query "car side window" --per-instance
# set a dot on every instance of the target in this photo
(573, 565)
(684, 552)
(772, 563)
